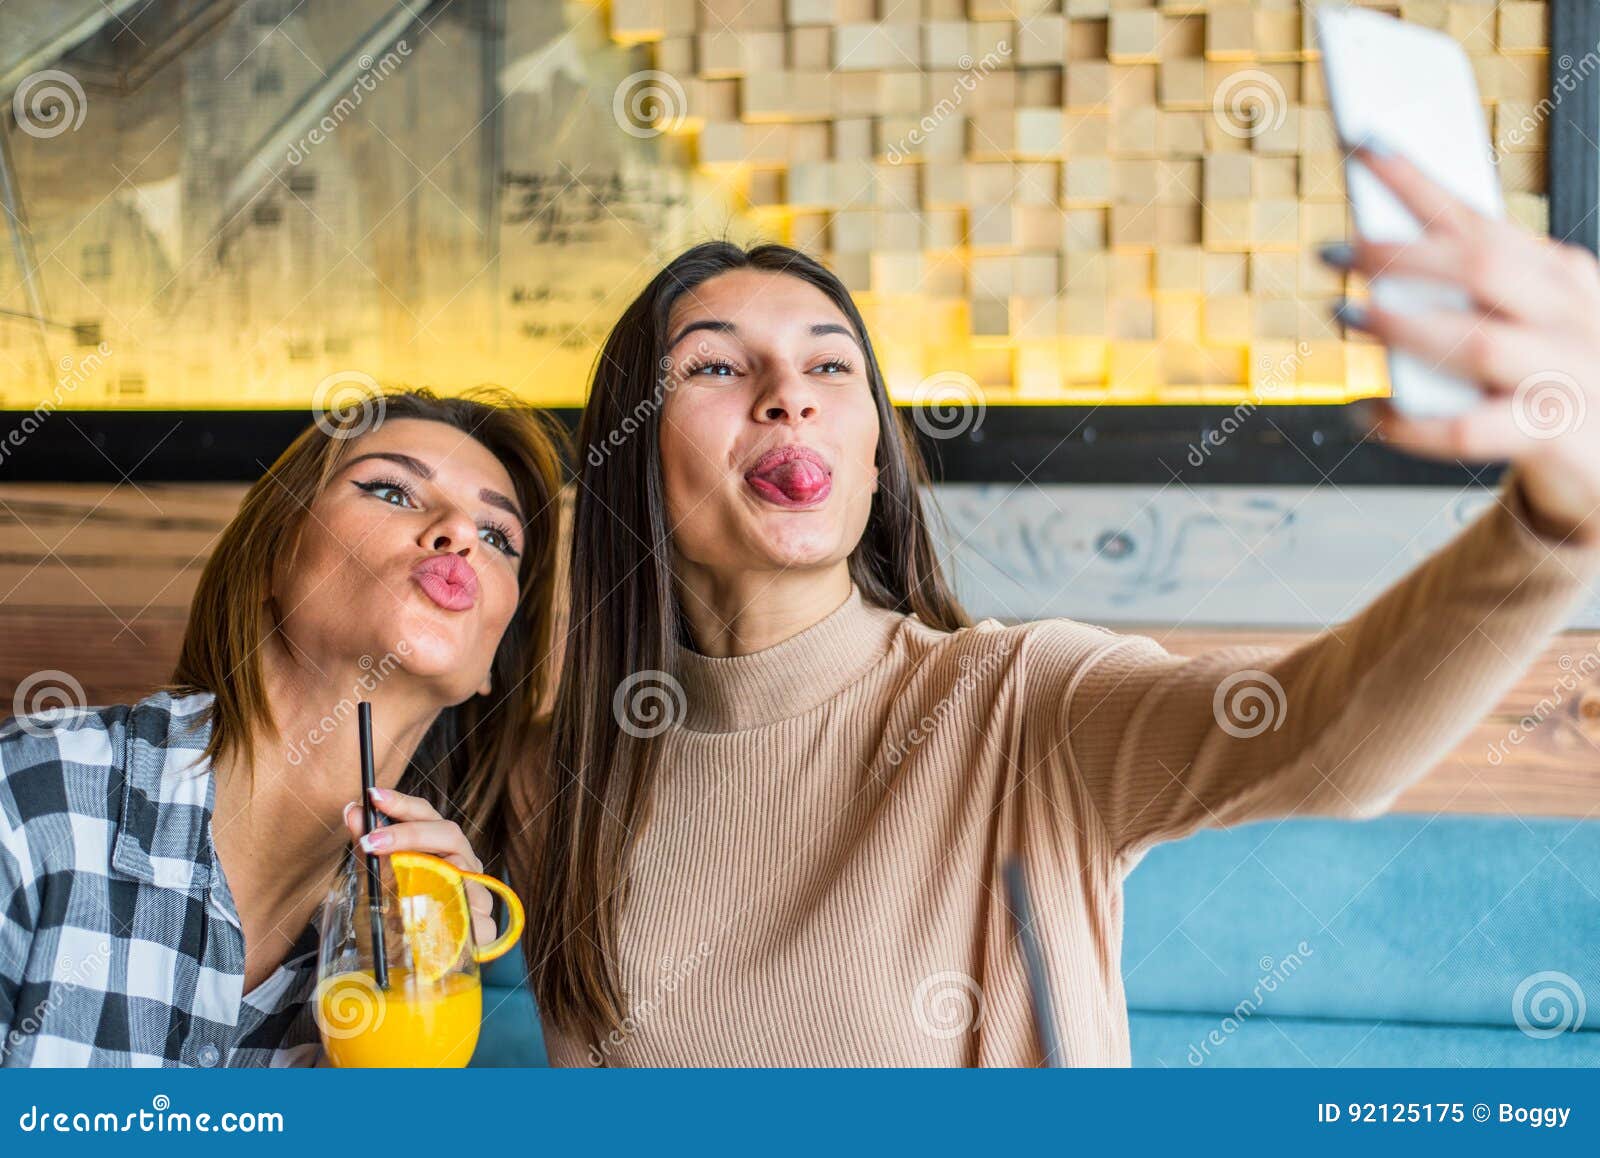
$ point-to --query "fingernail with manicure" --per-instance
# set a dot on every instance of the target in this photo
(1350, 314)
(376, 841)
(378, 794)
(1339, 254)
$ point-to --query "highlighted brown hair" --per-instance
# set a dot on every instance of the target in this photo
(476, 753)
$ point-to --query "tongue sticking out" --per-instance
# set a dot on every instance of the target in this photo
(797, 481)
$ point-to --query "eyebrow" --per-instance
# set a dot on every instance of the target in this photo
(720, 327)
(422, 470)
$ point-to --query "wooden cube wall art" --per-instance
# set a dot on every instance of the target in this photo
(1066, 200)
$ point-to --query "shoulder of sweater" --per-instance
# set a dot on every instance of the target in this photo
(989, 636)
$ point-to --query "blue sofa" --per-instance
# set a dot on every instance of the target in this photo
(511, 1034)
(1433, 941)
(1406, 940)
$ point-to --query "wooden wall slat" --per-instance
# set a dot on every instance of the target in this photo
(132, 549)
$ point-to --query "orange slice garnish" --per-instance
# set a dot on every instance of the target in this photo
(433, 910)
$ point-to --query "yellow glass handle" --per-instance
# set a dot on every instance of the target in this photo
(502, 944)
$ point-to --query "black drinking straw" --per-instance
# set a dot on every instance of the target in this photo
(1044, 1018)
(369, 780)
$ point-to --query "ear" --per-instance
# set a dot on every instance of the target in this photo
(487, 685)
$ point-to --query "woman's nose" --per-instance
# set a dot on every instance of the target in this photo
(454, 531)
(788, 398)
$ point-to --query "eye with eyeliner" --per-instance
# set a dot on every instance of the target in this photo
(376, 487)
(504, 532)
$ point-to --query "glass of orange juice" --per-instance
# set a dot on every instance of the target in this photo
(428, 1015)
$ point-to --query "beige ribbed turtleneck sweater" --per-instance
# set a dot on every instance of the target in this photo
(819, 881)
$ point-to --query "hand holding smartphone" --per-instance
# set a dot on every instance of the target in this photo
(1412, 89)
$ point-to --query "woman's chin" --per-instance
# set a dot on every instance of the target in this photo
(426, 653)
(801, 549)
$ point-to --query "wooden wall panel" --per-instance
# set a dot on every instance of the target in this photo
(984, 164)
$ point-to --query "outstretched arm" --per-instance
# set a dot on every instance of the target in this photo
(1337, 726)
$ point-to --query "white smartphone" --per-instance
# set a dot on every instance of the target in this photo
(1412, 89)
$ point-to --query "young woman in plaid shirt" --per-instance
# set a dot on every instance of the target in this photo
(161, 863)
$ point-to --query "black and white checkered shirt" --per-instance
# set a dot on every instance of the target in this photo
(120, 944)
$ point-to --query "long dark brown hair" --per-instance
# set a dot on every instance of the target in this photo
(625, 619)
(475, 754)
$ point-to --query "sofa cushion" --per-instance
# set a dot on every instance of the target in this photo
(511, 1034)
(1470, 923)
(1189, 1040)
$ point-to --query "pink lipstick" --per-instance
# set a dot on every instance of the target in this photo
(448, 580)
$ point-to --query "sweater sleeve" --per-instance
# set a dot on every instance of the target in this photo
(1337, 726)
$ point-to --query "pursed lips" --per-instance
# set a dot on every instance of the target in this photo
(448, 580)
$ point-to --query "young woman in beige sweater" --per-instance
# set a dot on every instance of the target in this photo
(787, 771)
